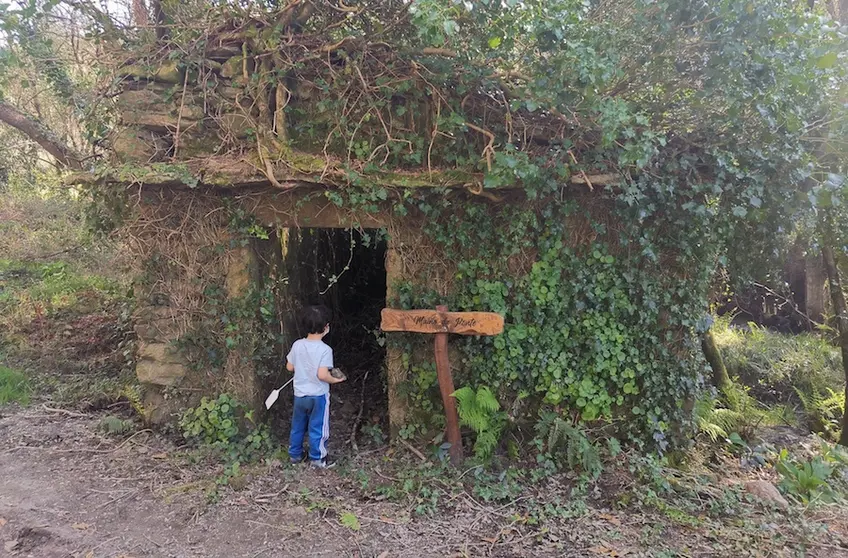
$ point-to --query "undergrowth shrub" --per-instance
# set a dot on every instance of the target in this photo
(824, 410)
(114, 426)
(802, 370)
(563, 445)
(31, 290)
(822, 479)
(224, 424)
(608, 334)
(775, 364)
(739, 413)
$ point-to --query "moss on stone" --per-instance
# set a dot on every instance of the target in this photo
(167, 72)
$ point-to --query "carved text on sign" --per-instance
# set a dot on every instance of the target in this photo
(433, 321)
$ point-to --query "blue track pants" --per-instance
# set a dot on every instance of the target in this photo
(310, 413)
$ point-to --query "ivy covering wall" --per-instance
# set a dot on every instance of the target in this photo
(582, 167)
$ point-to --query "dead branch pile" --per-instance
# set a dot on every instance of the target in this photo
(316, 91)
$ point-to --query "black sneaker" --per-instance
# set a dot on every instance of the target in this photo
(321, 464)
(295, 461)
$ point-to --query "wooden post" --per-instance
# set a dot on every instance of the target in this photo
(440, 323)
(443, 373)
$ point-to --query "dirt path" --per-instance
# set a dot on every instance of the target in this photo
(68, 491)
(64, 492)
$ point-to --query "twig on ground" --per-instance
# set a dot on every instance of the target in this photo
(153, 542)
(266, 498)
(64, 412)
(413, 450)
(84, 450)
(121, 497)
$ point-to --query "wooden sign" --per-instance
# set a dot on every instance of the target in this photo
(440, 322)
(433, 321)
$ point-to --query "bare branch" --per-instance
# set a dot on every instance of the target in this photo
(41, 135)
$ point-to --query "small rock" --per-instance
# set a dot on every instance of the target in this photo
(767, 493)
(11, 545)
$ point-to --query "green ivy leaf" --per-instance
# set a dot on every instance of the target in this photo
(827, 61)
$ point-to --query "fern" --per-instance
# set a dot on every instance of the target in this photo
(132, 393)
(717, 422)
(481, 412)
(743, 414)
(570, 444)
(824, 411)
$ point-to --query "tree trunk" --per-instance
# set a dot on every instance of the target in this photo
(139, 13)
(841, 310)
(38, 133)
(160, 18)
(720, 378)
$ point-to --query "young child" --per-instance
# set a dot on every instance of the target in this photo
(311, 360)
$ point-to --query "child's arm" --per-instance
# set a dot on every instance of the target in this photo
(325, 376)
(289, 366)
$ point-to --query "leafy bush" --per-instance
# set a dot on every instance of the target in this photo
(816, 480)
(33, 289)
(113, 425)
(481, 412)
(14, 387)
(824, 411)
(226, 425)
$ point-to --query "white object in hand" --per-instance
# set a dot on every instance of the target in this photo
(275, 394)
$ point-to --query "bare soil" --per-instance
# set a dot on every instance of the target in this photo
(68, 491)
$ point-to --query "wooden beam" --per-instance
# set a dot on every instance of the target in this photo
(434, 321)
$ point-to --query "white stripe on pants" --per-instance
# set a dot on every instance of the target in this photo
(325, 434)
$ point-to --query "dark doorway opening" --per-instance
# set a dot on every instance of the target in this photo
(344, 269)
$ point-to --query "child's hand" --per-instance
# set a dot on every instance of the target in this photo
(338, 374)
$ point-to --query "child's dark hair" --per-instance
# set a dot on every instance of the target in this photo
(315, 318)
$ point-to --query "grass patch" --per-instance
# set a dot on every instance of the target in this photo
(778, 370)
(31, 292)
(14, 387)
(774, 364)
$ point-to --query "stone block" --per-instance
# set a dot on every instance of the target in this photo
(190, 112)
(236, 125)
(157, 323)
(241, 262)
(156, 121)
(159, 364)
(169, 72)
(233, 93)
(198, 141)
(159, 373)
(766, 493)
(144, 99)
(134, 145)
(234, 67)
(160, 352)
(158, 409)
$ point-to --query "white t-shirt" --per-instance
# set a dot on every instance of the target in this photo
(308, 356)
